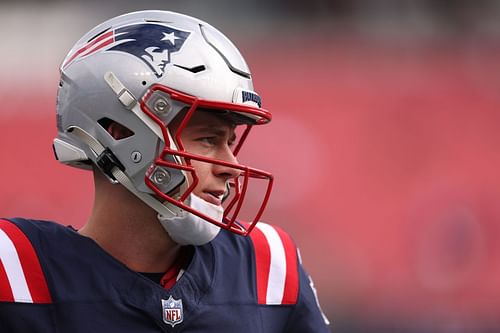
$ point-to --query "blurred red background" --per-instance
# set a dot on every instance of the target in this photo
(386, 158)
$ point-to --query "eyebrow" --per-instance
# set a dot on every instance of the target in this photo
(215, 131)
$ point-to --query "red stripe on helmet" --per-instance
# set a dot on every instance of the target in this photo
(109, 34)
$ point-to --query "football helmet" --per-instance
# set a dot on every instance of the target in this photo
(142, 70)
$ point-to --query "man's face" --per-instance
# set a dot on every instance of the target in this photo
(212, 136)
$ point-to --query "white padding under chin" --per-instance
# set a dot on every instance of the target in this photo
(189, 229)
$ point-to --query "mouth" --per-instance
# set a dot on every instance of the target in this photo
(213, 197)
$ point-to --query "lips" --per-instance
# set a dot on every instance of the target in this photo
(213, 197)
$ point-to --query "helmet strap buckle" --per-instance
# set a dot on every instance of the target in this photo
(107, 161)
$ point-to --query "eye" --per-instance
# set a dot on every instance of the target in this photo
(208, 140)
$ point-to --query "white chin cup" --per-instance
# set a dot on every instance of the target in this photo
(189, 229)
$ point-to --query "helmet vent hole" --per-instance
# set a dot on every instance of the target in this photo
(115, 129)
(195, 69)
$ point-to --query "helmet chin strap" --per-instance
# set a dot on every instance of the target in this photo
(183, 227)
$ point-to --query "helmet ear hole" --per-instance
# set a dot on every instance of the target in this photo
(115, 129)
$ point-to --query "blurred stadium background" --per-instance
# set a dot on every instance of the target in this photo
(384, 143)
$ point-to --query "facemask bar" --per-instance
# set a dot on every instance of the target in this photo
(239, 185)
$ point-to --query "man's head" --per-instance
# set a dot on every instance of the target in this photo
(153, 99)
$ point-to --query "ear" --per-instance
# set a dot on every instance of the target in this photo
(119, 131)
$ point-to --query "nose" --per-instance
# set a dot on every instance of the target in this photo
(224, 171)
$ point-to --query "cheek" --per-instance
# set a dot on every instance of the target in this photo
(202, 172)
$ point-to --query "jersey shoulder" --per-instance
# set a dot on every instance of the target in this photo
(267, 259)
(22, 278)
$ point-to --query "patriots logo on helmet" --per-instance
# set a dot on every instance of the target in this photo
(152, 43)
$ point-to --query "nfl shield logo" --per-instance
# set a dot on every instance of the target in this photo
(172, 311)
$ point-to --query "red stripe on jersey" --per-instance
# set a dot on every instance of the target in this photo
(262, 263)
(30, 264)
(5, 290)
(291, 291)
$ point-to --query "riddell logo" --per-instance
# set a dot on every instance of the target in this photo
(152, 43)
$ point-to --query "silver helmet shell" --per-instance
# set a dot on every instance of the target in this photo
(126, 70)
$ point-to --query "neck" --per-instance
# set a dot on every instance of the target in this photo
(128, 229)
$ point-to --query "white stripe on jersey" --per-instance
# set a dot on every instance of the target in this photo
(14, 270)
(277, 269)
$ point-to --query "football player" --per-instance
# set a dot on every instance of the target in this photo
(157, 105)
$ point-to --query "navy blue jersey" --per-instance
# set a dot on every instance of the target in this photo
(52, 279)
